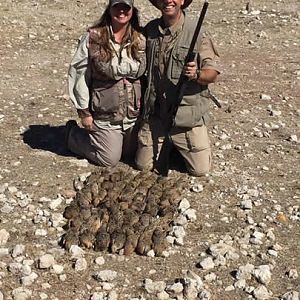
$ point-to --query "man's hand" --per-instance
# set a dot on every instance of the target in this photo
(205, 76)
(87, 122)
(190, 70)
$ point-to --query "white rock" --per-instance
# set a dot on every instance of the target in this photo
(220, 260)
(270, 235)
(21, 293)
(25, 270)
(220, 249)
(1, 296)
(190, 214)
(276, 247)
(41, 232)
(4, 252)
(181, 220)
(272, 252)
(151, 253)
(18, 250)
(258, 235)
(293, 138)
(175, 288)
(197, 188)
(29, 280)
(56, 219)
(240, 284)
(207, 263)
(263, 274)
(170, 239)
(178, 231)
(76, 252)
(210, 277)
(112, 295)
(179, 241)
(244, 272)
(54, 204)
(261, 293)
(195, 279)
(6, 208)
(98, 296)
(15, 268)
(164, 296)
(46, 261)
(154, 287)
(293, 295)
(4, 236)
(57, 269)
(105, 275)
(204, 295)
(246, 204)
(28, 262)
(63, 277)
(190, 289)
(249, 289)
(184, 205)
(292, 274)
(43, 296)
(265, 97)
(232, 255)
(100, 261)
(80, 264)
(229, 288)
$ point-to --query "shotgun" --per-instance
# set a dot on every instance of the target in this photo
(162, 165)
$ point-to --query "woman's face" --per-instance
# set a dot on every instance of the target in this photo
(120, 14)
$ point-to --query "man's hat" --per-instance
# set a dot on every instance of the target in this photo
(115, 2)
(185, 4)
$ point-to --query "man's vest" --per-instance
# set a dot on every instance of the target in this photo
(110, 99)
(193, 109)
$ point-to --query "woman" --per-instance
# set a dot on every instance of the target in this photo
(105, 88)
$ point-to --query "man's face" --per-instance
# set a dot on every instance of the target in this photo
(170, 8)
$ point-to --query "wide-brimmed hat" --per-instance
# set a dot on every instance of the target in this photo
(115, 2)
(185, 4)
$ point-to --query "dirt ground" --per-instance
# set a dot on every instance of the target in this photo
(255, 139)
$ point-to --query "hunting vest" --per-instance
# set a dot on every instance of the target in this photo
(193, 109)
(114, 96)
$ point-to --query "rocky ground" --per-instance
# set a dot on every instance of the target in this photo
(244, 241)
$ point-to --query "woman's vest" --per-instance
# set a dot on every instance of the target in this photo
(193, 109)
(113, 99)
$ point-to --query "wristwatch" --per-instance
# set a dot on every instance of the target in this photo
(198, 73)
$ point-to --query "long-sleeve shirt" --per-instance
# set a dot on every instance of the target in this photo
(79, 76)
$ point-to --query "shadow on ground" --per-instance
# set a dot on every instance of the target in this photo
(48, 138)
(52, 139)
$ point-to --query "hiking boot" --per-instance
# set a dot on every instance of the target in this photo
(68, 127)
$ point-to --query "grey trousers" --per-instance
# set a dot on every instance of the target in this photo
(104, 147)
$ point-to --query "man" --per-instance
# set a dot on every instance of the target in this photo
(168, 40)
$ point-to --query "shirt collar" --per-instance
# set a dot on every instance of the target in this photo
(174, 29)
(112, 37)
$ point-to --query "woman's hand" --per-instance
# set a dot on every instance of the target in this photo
(87, 122)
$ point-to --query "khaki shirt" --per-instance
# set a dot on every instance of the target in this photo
(207, 51)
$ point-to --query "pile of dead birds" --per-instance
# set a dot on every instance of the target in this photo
(121, 211)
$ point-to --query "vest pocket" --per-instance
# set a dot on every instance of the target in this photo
(178, 58)
(134, 100)
(105, 100)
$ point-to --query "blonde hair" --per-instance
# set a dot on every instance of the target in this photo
(133, 34)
